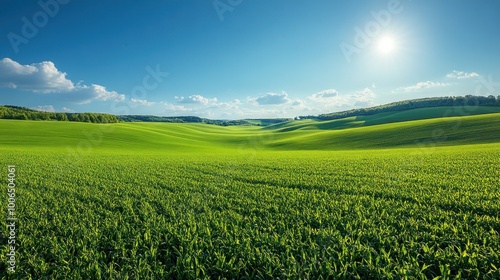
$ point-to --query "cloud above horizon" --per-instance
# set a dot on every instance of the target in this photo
(363, 98)
(45, 108)
(195, 99)
(45, 78)
(331, 98)
(324, 96)
(143, 102)
(272, 98)
(461, 75)
(423, 85)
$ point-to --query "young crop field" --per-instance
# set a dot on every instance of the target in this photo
(243, 209)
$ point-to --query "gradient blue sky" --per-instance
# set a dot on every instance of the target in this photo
(233, 59)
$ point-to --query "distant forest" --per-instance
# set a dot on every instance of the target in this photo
(458, 101)
(22, 113)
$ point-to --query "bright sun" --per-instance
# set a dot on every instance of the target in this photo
(386, 44)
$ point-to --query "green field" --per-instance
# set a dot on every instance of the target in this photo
(380, 197)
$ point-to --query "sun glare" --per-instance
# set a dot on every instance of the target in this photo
(386, 44)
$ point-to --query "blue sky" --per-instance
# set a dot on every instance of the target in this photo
(233, 59)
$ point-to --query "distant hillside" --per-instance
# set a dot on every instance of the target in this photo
(426, 134)
(180, 119)
(383, 118)
(266, 122)
(154, 137)
(191, 119)
(457, 101)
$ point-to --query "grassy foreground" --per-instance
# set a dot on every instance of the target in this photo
(157, 201)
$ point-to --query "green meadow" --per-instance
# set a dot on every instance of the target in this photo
(407, 195)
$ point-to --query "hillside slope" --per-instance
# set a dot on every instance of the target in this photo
(383, 118)
(300, 135)
(479, 129)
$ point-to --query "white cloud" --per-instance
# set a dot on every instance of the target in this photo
(45, 108)
(226, 105)
(329, 98)
(38, 77)
(299, 107)
(83, 94)
(170, 108)
(327, 95)
(423, 85)
(272, 98)
(298, 103)
(206, 108)
(195, 99)
(45, 78)
(461, 75)
(198, 105)
(142, 102)
(277, 105)
(67, 110)
(363, 98)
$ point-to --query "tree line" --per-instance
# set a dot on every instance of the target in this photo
(459, 101)
(22, 113)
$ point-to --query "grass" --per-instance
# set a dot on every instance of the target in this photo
(194, 201)
(297, 135)
(421, 133)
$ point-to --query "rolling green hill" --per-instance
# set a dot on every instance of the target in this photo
(383, 118)
(478, 129)
(383, 130)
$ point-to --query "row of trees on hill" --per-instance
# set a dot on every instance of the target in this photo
(468, 100)
(22, 113)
